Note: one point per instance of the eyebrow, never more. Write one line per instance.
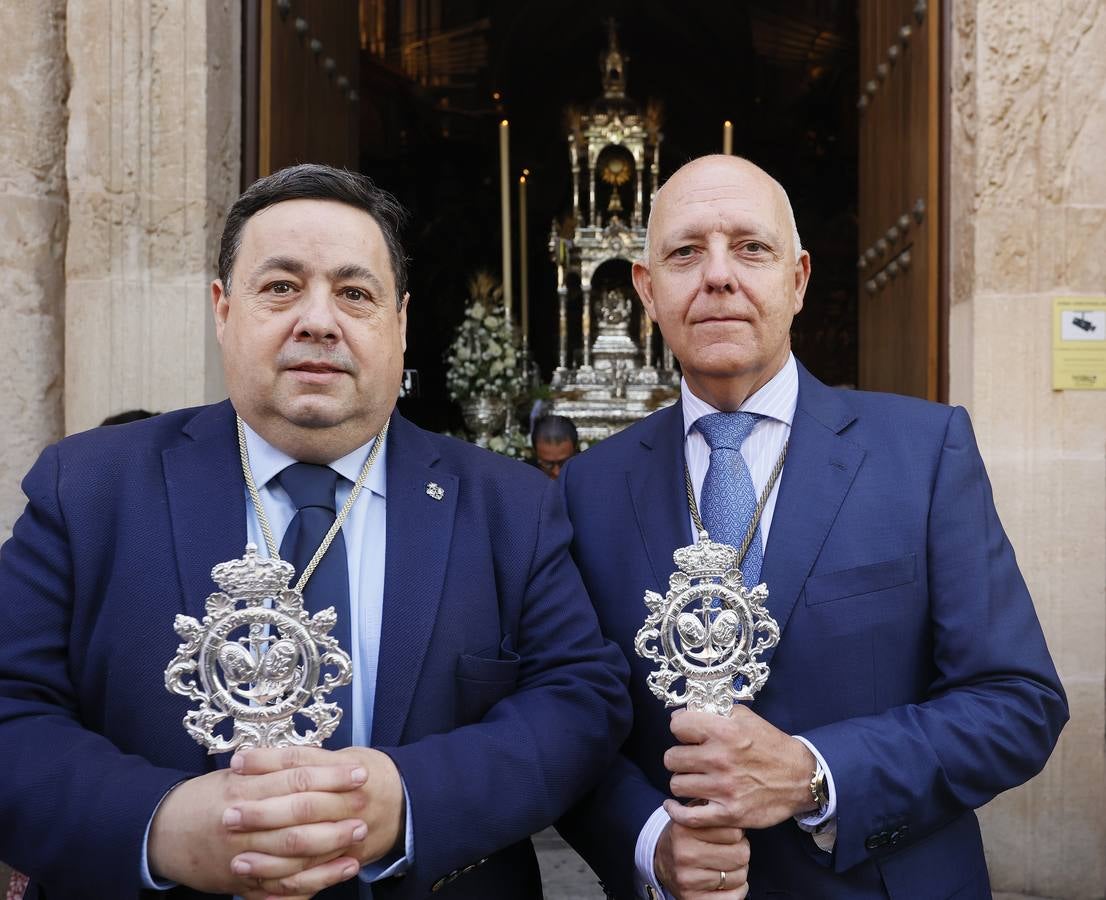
(283, 263)
(348, 272)
(733, 229)
(354, 272)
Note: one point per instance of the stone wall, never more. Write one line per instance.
(1028, 207)
(33, 88)
(152, 165)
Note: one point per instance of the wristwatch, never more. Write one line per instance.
(819, 789)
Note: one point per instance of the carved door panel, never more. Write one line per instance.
(307, 102)
(899, 104)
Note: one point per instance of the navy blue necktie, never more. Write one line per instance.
(728, 498)
(311, 488)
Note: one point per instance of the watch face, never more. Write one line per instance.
(821, 791)
(818, 788)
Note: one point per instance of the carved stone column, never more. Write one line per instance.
(153, 164)
(1027, 222)
(33, 85)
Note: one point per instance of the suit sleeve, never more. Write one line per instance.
(74, 807)
(995, 706)
(604, 826)
(537, 750)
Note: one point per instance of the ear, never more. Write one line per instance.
(643, 284)
(220, 306)
(403, 321)
(802, 279)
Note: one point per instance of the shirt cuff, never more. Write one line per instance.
(148, 880)
(822, 823)
(394, 864)
(644, 851)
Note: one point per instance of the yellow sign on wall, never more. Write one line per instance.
(1079, 343)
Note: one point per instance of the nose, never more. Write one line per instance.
(719, 274)
(317, 321)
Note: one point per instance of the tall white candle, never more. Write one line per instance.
(727, 137)
(524, 289)
(505, 213)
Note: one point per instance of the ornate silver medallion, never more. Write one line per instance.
(708, 631)
(258, 665)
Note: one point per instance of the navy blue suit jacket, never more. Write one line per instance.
(910, 653)
(496, 695)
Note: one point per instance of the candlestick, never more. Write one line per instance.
(574, 156)
(562, 326)
(522, 264)
(639, 166)
(585, 322)
(505, 213)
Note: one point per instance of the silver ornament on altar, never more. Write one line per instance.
(708, 631)
(258, 665)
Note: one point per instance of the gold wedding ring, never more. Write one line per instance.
(721, 881)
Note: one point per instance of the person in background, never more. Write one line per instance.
(555, 443)
(130, 415)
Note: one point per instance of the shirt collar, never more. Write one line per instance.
(266, 462)
(775, 400)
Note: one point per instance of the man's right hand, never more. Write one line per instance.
(689, 862)
(192, 845)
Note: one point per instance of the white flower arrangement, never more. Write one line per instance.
(483, 361)
(513, 442)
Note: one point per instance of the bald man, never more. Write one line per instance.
(911, 683)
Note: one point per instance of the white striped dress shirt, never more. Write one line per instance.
(775, 402)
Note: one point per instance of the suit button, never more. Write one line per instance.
(875, 841)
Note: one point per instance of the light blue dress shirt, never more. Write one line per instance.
(365, 534)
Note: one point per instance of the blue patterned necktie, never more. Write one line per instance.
(728, 498)
(311, 488)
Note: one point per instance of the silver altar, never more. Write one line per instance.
(623, 372)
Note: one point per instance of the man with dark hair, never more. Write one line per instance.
(128, 415)
(483, 700)
(555, 443)
(911, 682)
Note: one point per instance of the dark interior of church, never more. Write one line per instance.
(438, 77)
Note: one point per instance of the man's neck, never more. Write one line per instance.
(313, 445)
(727, 393)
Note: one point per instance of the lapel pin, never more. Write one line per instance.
(435, 490)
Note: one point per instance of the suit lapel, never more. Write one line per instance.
(206, 501)
(419, 532)
(658, 492)
(820, 468)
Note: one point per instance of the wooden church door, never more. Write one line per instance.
(304, 103)
(900, 321)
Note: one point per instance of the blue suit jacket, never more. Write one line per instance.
(910, 652)
(496, 695)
